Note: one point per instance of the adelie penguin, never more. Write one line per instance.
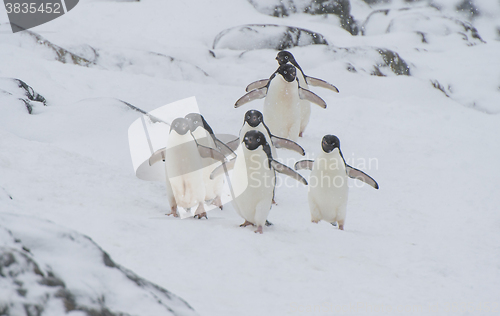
(208, 146)
(254, 120)
(253, 179)
(281, 105)
(328, 188)
(204, 136)
(283, 58)
(183, 167)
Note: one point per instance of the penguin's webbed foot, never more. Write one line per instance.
(259, 230)
(218, 202)
(201, 215)
(173, 211)
(268, 223)
(315, 222)
(341, 224)
(246, 223)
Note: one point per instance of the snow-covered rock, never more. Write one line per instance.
(134, 61)
(262, 36)
(283, 8)
(16, 91)
(428, 23)
(46, 269)
(372, 60)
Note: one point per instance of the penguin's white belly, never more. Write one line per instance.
(328, 192)
(305, 106)
(305, 114)
(170, 193)
(213, 188)
(253, 184)
(183, 165)
(281, 109)
(189, 189)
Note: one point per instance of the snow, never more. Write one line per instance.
(58, 271)
(426, 242)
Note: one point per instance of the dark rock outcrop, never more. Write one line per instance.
(262, 36)
(375, 61)
(393, 61)
(17, 90)
(283, 8)
(61, 54)
(469, 8)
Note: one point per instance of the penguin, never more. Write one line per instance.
(328, 190)
(204, 135)
(253, 178)
(209, 147)
(183, 167)
(281, 105)
(283, 58)
(254, 120)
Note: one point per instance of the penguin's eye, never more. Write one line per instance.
(248, 117)
(195, 122)
(286, 57)
(285, 72)
(258, 140)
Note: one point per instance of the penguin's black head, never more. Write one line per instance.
(254, 118)
(286, 57)
(253, 139)
(329, 143)
(180, 125)
(288, 72)
(196, 120)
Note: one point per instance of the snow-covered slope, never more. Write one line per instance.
(426, 242)
(49, 270)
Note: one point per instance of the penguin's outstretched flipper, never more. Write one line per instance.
(257, 84)
(305, 94)
(281, 168)
(207, 152)
(321, 83)
(230, 141)
(280, 142)
(360, 175)
(304, 164)
(228, 165)
(250, 96)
